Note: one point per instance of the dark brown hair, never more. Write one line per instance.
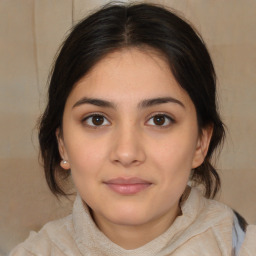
(117, 26)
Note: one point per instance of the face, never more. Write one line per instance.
(131, 138)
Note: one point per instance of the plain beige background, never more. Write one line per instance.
(30, 33)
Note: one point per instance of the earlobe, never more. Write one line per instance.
(65, 164)
(202, 146)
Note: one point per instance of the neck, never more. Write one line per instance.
(131, 237)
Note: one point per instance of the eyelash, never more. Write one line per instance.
(91, 116)
(170, 119)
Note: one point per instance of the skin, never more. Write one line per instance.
(130, 142)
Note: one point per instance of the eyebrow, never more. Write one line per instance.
(143, 104)
(95, 102)
(157, 101)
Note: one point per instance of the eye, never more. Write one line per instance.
(160, 120)
(96, 120)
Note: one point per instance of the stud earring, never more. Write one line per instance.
(65, 164)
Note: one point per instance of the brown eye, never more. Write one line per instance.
(160, 120)
(96, 120)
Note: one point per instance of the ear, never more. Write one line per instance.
(203, 143)
(62, 150)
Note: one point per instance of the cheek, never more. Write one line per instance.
(176, 151)
(86, 155)
(172, 159)
(87, 159)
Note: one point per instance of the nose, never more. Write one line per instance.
(128, 148)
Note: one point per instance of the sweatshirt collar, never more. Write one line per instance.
(90, 239)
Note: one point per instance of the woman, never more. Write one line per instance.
(132, 116)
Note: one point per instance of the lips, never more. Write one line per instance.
(128, 186)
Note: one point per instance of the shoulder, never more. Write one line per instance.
(35, 244)
(207, 213)
(229, 228)
(212, 210)
(213, 223)
(54, 238)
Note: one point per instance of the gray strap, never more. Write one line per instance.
(238, 235)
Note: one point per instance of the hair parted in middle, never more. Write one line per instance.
(118, 26)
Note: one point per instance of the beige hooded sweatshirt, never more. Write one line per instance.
(204, 228)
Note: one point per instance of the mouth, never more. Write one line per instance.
(127, 186)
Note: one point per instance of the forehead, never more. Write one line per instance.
(129, 75)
